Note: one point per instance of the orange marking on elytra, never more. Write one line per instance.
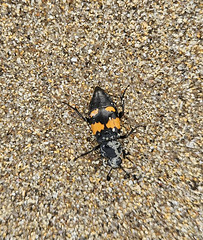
(97, 127)
(113, 123)
(94, 112)
(110, 109)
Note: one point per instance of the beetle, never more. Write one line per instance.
(104, 119)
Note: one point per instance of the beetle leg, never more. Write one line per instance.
(95, 148)
(108, 178)
(80, 114)
(125, 154)
(123, 103)
(127, 134)
(131, 131)
(127, 175)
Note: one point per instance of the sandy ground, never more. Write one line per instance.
(53, 53)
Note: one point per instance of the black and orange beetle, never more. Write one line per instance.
(105, 124)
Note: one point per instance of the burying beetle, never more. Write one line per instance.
(105, 124)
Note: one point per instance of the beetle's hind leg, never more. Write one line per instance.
(127, 175)
(108, 178)
(80, 114)
(123, 103)
(125, 156)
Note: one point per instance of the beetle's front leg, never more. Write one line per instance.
(123, 103)
(86, 119)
